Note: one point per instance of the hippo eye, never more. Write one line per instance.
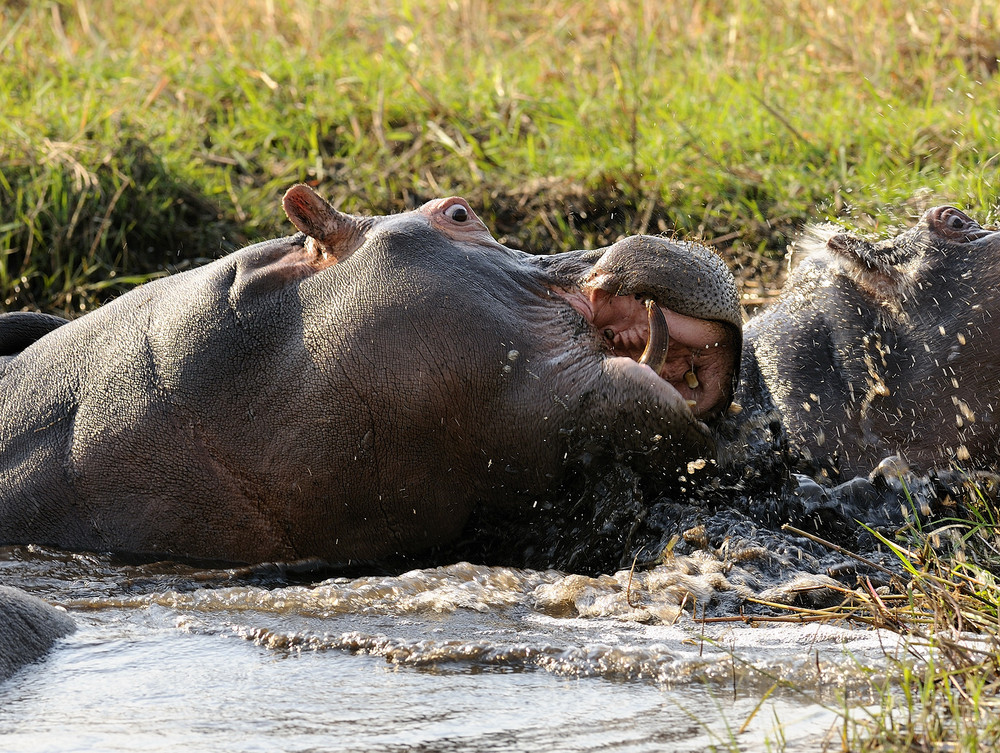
(952, 219)
(457, 212)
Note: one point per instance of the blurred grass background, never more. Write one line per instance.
(138, 138)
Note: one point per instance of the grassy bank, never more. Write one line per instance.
(136, 139)
(943, 693)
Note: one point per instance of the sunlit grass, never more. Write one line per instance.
(946, 696)
(944, 693)
(135, 137)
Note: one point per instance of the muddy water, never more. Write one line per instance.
(463, 657)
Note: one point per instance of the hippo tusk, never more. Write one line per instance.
(655, 354)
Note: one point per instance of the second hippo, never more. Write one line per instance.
(19, 329)
(884, 348)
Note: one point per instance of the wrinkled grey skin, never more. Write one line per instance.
(876, 349)
(28, 628)
(357, 390)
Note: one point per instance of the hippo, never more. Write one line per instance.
(882, 349)
(28, 628)
(19, 329)
(358, 390)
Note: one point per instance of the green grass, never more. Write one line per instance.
(943, 694)
(134, 138)
(947, 699)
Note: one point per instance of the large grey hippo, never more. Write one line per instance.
(357, 390)
(885, 348)
(28, 627)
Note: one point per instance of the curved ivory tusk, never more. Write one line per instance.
(655, 354)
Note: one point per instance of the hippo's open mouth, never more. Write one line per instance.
(694, 358)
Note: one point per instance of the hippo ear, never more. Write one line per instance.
(883, 257)
(847, 244)
(854, 249)
(336, 234)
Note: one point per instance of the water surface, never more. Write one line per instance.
(463, 657)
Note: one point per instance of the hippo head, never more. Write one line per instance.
(632, 346)
(360, 389)
(889, 270)
(880, 348)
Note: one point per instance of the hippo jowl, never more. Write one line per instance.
(357, 389)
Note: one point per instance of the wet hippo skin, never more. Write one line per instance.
(882, 348)
(28, 628)
(356, 390)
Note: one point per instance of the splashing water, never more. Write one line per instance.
(670, 653)
(462, 657)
